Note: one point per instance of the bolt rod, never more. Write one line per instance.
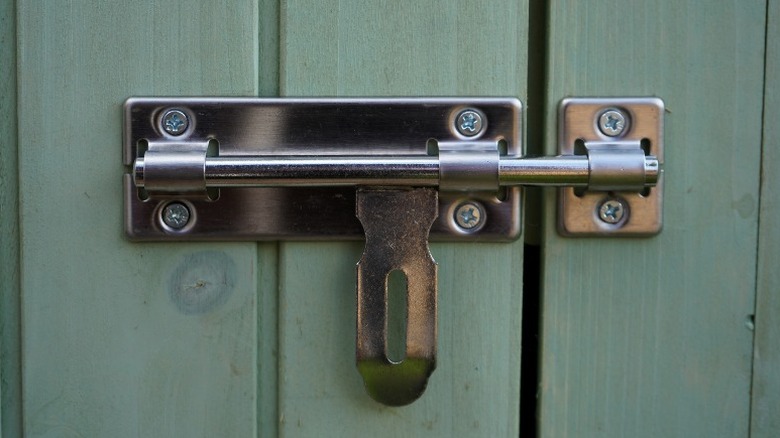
(252, 171)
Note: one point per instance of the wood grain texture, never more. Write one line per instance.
(765, 421)
(120, 338)
(10, 328)
(648, 337)
(268, 48)
(403, 48)
(267, 339)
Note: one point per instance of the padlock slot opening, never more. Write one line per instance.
(397, 288)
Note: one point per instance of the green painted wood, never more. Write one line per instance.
(648, 337)
(765, 421)
(267, 339)
(121, 338)
(10, 330)
(405, 48)
(268, 48)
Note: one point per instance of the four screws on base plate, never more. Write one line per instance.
(469, 123)
(176, 215)
(469, 216)
(175, 122)
(612, 211)
(612, 122)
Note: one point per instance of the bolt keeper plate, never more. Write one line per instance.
(611, 124)
(268, 127)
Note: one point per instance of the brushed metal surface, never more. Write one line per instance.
(250, 168)
(578, 213)
(336, 129)
(396, 222)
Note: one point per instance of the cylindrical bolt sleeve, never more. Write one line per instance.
(616, 169)
(175, 168)
(468, 166)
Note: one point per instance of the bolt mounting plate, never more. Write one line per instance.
(578, 124)
(308, 127)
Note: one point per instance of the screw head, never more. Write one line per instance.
(176, 215)
(612, 211)
(175, 122)
(470, 216)
(612, 122)
(469, 123)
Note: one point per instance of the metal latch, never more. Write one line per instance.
(396, 170)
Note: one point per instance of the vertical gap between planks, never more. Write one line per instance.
(756, 419)
(533, 217)
(268, 62)
(535, 113)
(529, 373)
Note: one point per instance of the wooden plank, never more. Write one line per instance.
(268, 48)
(648, 337)
(10, 330)
(120, 338)
(765, 421)
(405, 48)
(267, 339)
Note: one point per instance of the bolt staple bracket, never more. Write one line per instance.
(616, 134)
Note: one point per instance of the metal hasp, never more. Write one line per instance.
(396, 222)
(396, 171)
(617, 135)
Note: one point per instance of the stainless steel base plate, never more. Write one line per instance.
(311, 127)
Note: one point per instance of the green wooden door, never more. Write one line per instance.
(654, 337)
(637, 337)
